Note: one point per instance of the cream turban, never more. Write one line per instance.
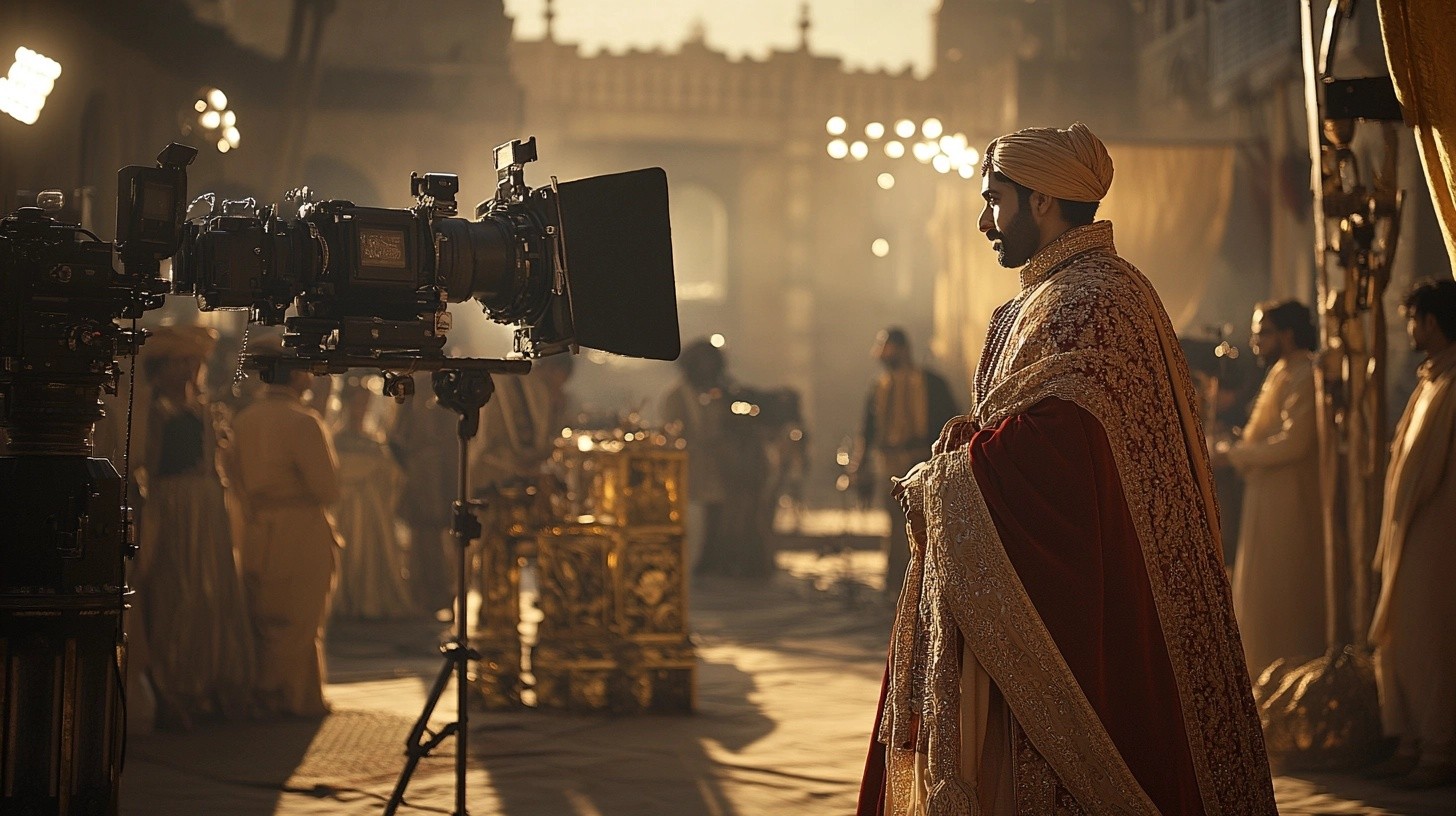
(1070, 164)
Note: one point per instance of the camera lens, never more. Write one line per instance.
(494, 260)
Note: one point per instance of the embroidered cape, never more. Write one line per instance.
(1089, 329)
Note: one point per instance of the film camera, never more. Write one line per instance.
(62, 580)
(585, 262)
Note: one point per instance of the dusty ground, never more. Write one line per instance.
(789, 672)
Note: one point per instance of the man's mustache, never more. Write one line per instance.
(994, 235)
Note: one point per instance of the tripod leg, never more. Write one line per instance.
(463, 732)
(416, 746)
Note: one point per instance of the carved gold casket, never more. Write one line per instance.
(603, 535)
(613, 592)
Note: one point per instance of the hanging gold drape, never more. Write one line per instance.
(1168, 205)
(1420, 47)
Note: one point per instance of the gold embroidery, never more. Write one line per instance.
(976, 591)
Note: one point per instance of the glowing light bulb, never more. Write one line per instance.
(904, 128)
(880, 247)
(24, 89)
(932, 128)
(894, 149)
(835, 126)
(874, 130)
(217, 99)
(838, 149)
(885, 180)
(229, 118)
(941, 163)
(210, 120)
(717, 341)
(859, 150)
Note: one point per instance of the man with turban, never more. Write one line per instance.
(1065, 640)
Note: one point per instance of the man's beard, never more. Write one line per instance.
(1017, 244)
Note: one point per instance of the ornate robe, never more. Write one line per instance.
(1065, 641)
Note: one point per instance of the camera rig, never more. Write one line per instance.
(371, 285)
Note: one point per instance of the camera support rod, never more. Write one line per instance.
(465, 391)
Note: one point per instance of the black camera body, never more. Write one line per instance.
(60, 298)
(59, 339)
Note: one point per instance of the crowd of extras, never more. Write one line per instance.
(261, 513)
(266, 512)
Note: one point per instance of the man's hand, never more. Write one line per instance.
(909, 491)
(956, 433)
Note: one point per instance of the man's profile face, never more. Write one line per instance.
(1265, 339)
(1419, 328)
(1011, 229)
(890, 353)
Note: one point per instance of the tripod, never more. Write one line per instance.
(464, 391)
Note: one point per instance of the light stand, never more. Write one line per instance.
(464, 391)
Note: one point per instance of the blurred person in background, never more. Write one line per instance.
(520, 424)
(729, 510)
(425, 445)
(372, 570)
(903, 414)
(1278, 582)
(519, 428)
(696, 409)
(1414, 627)
(191, 614)
(288, 478)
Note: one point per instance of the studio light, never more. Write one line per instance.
(24, 89)
(214, 121)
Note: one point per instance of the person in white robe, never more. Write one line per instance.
(1414, 627)
(288, 478)
(1278, 582)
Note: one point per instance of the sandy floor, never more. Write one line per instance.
(789, 672)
